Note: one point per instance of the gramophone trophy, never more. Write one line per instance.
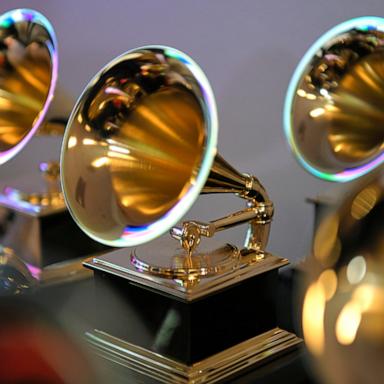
(139, 148)
(34, 221)
(333, 108)
(334, 123)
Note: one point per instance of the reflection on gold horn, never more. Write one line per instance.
(28, 74)
(334, 113)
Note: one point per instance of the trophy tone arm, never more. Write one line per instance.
(258, 214)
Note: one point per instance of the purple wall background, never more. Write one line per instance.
(247, 48)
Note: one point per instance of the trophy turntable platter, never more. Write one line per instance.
(138, 150)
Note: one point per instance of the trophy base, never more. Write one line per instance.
(40, 231)
(221, 325)
(220, 367)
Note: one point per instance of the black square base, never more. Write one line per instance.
(185, 331)
(42, 240)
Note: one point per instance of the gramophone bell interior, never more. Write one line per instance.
(139, 146)
(334, 113)
(28, 73)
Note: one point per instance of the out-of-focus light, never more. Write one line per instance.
(326, 246)
(338, 147)
(100, 162)
(328, 281)
(89, 142)
(307, 95)
(119, 149)
(72, 142)
(317, 112)
(348, 322)
(313, 318)
(301, 93)
(311, 96)
(356, 269)
(365, 295)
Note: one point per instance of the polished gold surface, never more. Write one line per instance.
(334, 112)
(223, 178)
(139, 148)
(46, 196)
(185, 268)
(28, 73)
(217, 368)
(258, 214)
(27, 76)
(160, 253)
(133, 145)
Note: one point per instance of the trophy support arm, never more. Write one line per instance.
(259, 226)
(259, 213)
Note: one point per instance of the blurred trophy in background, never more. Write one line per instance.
(139, 148)
(34, 223)
(334, 121)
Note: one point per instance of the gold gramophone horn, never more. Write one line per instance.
(139, 148)
(334, 109)
(28, 75)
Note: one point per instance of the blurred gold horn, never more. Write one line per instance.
(334, 108)
(28, 76)
(139, 148)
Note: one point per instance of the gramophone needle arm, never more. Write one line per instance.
(190, 234)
